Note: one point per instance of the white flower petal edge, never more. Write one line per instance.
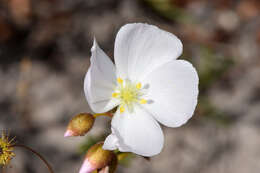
(100, 81)
(141, 48)
(136, 132)
(173, 90)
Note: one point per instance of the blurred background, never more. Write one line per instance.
(44, 55)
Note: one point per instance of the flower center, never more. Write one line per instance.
(128, 94)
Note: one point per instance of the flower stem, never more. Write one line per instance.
(107, 114)
(37, 154)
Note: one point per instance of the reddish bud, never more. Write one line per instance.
(97, 158)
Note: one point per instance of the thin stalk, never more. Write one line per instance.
(107, 114)
(37, 154)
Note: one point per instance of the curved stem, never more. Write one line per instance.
(37, 154)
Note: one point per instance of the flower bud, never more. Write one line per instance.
(111, 167)
(98, 158)
(80, 124)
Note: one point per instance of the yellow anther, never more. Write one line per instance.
(122, 109)
(120, 81)
(114, 95)
(143, 101)
(139, 85)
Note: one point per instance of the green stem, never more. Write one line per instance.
(107, 114)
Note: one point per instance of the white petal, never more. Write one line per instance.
(100, 81)
(173, 90)
(110, 142)
(136, 132)
(141, 48)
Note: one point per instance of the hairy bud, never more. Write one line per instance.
(80, 124)
(98, 158)
(111, 167)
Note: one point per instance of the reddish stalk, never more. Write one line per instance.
(37, 154)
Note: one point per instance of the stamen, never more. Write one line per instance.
(143, 101)
(115, 95)
(122, 109)
(139, 85)
(120, 81)
(128, 94)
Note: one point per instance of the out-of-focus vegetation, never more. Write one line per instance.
(170, 10)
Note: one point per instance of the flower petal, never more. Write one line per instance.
(173, 90)
(141, 48)
(110, 142)
(100, 81)
(135, 132)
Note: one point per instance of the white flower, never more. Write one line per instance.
(147, 84)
